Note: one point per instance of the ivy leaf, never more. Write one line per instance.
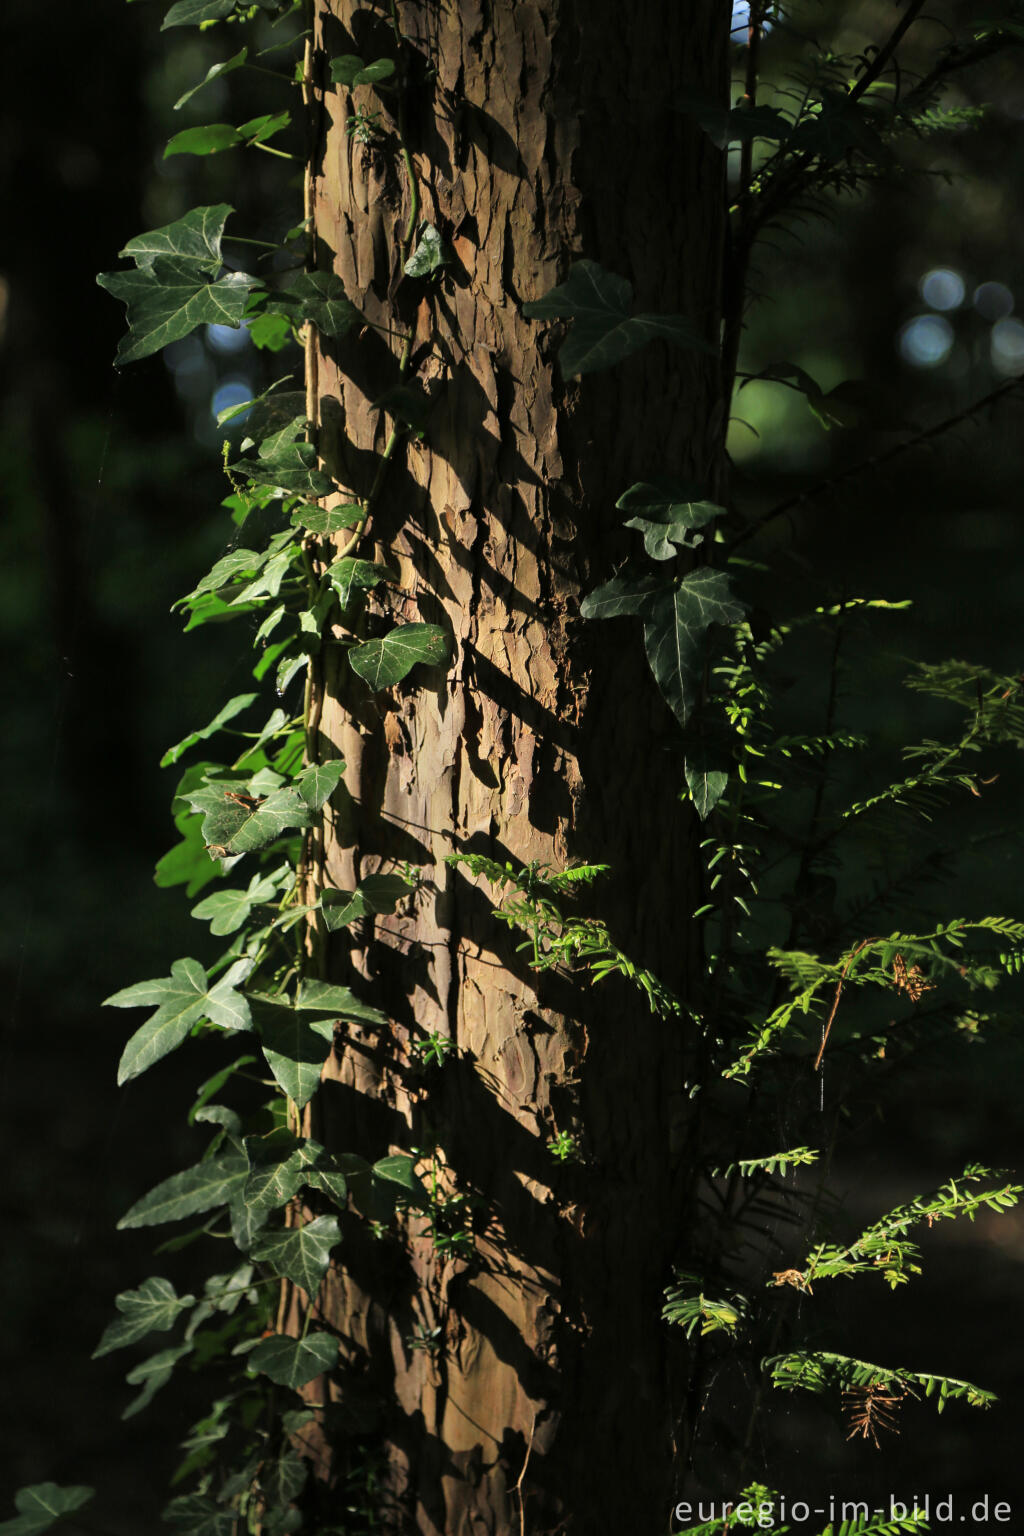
(348, 575)
(188, 862)
(153, 1308)
(182, 999)
(377, 893)
(270, 331)
(318, 782)
(432, 252)
(328, 520)
(169, 300)
(259, 129)
(321, 298)
(152, 1374)
(233, 707)
(293, 1362)
(217, 1181)
(294, 1052)
(350, 70)
(384, 662)
(398, 1169)
(209, 140)
(249, 822)
(268, 413)
(236, 563)
(283, 1481)
(193, 1514)
(668, 513)
(226, 911)
(278, 1167)
(214, 72)
(193, 13)
(604, 332)
(706, 779)
(291, 468)
(41, 1505)
(301, 1254)
(194, 238)
(630, 592)
(336, 1002)
(675, 626)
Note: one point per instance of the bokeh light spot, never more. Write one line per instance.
(926, 341)
(226, 339)
(1008, 346)
(231, 393)
(942, 288)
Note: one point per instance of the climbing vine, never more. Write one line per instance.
(780, 995)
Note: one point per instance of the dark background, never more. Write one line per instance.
(110, 489)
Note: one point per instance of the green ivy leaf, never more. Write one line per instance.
(350, 70)
(209, 140)
(193, 13)
(41, 1505)
(249, 823)
(188, 862)
(259, 129)
(194, 238)
(384, 662)
(294, 1052)
(432, 252)
(270, 331)
(217, 1181)
(226, 911)
(291, 468)
(193, 1514)
(151, 1375)
(348, 575)
(214, 72)
(668, 513)
(706, 784)
(283, 1481)
(153, 1308)
(324, 998)
(317, 783)
(604, 332)
(675, 626)
(278, 1168)
(398, 1169)
(301, 1254)
(183, 999)
(628, 593)
(169, 300)
(376, 893)
(293, 1362)
(232, 708)
(328, 520)
(321, 298)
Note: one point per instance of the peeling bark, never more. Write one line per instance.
(541, 131)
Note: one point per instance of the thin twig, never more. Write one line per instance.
(518, 1487)
(835, 1001)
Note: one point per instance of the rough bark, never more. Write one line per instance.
(541, 131)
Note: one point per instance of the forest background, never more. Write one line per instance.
(109, 485)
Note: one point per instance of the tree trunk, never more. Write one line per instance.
(541, 132)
